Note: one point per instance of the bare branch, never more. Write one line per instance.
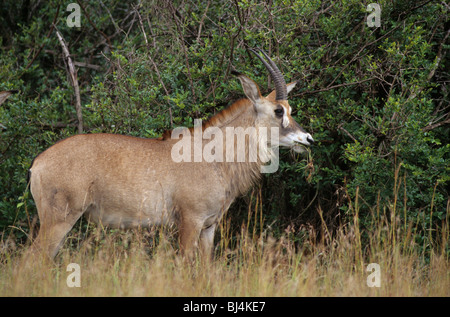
(73, 75)
(438, 56)
(346, 132)
(202, 21)
(94, 26)
(87, 65)
(5, 94)
(153, 62)
(175, 15)
(436, 125)
(57, 125)
(336, 86)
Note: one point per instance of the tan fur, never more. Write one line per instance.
(125, 182)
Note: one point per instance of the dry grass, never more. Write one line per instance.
(132, 263)
(147, 263)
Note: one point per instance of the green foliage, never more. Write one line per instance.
(374, 99)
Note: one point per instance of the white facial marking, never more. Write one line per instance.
(285, 121)
(294, 138)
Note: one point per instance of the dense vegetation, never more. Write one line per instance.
(375, 99)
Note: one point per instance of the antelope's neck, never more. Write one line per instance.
(242, 151)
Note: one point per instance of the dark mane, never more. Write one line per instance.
(220, 118)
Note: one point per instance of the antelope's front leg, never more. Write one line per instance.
(189, 228)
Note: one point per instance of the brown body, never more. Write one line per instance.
(125, 182)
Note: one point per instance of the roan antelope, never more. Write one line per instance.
(127, 182)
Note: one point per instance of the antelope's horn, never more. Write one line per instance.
(275, 73)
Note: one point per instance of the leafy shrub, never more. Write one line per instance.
(375, 99)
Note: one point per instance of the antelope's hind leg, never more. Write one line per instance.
(57, 216)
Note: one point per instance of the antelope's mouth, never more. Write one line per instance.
(297, 142)
(301, 147)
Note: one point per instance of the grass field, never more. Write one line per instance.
(146, 263)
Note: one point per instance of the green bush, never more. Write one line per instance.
(375, 99)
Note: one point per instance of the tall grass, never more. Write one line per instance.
(247, 263)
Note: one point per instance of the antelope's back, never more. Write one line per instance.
(118, 179)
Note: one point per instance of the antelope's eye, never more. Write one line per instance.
(279, 112)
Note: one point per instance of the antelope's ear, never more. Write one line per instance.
(251, 89)
(289, 87)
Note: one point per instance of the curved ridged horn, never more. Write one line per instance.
(275, 73)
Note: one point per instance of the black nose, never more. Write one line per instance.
(310, 140)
